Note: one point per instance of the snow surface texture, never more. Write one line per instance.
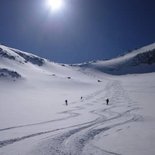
(36, 121)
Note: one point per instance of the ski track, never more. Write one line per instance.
(74, 141)
(77, 137)
(70, 113)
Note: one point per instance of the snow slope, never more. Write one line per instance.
(138, 61)
(35, 120)
(39, 88)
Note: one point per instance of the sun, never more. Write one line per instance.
(55, 5)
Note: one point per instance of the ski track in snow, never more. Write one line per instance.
(76, 139)
(70, 113)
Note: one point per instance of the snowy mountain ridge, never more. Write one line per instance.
(138, 61)
(20, 56)
(21, 63)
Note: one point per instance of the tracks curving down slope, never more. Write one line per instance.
(79, 139)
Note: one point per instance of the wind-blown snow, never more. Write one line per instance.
(35, 120)
(138, 61)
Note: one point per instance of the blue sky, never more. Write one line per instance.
(83, 30)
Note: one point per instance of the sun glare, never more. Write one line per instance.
(55, 5)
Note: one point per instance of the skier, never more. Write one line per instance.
(107, 101)
(66, 102)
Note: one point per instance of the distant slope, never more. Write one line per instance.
(20, 56)
(22, 63)
(138, 61)
(16, 64)
(30, 57)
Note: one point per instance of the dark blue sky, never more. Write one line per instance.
(84, 30)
